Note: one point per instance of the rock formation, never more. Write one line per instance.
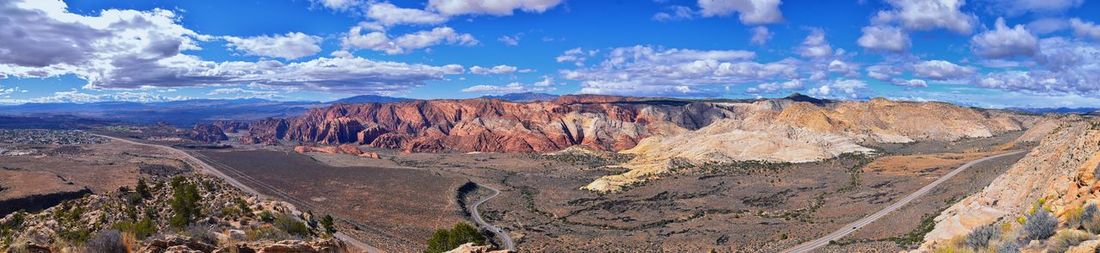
(208, 133)
(1061, 170)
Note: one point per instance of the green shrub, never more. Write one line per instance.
(266, 233)
(462, 233)
(185, 203)
(291, 226)
(980, 237)
(143, 189)
(329, 224)
(1090, 219)
(141, 229)
(1066, 239)
(1040, 225)
(1009, 246)
(243, 206)
(266, 216)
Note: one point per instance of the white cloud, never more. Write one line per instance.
(380, 41)
(510, 40)
(388, 15)
(760, 35)
(883, 72)
(1085, 29)
(675, 13)
(1018, 7)
(514, 87)
(841, 88)
(776, 86)
(290, 46)
(942, 70)
(74, 96)
(752, 12)
(815, 45)
(498, 69)
(577, 56)
(490, 7)
(1047, 25)
(238, 93)
(884, 38)
(341, 5)
(910, 83)
(928, 14)
(1004, 42)
(645, 70)
(1065, 67)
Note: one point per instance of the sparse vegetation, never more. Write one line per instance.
(1066, 239)
(462, 233)
(106, 241)
(1090, 219)
(1040, 225)
(185, 202)
(291, 226)
(981, 237)
(142, 189)
(328, 224)
(916, 236)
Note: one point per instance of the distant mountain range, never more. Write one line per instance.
(524, 97)
(370, 99)
(1082, 110)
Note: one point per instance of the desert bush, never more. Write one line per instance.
(291, 226)
(140, 229)
(266, 216)
(106, 241)
(142, 189)
(266, 232)
(1066, 239)
(1040, 225)
(329, 224)
(462, 233)
(1073, 216)
(1090, 219)
(201, 233)
(1009, 246)
(243, 206)
(185, 202)
(980, 237)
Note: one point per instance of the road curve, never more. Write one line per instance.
(856, 225)
(500, 234)
(206, 168)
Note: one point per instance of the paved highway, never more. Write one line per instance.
(852, 227)
(501, 234)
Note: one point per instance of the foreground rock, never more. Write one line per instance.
(471, 248)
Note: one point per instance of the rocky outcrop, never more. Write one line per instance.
(1061, 170)
(471, 248)
(339, 149)
(266, 131)
(231, 126)
(802, 129)
(208, 133)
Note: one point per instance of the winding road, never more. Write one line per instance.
(206, 168)
(852, 227)
(500, 234)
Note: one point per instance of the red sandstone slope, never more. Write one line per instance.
(598, 122)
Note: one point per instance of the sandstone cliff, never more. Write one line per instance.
(1061, 170)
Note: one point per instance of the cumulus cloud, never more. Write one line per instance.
(752, 12)
(341, 5)
(942, 70)
(760, 35)
(883, 72)
(498, 69)
(884, 38)
(815, 45)
(646, 70)
(290, 46)
(928, 14)
(910, 83)
(577, 56)
(1018, 7)
(841, 88)
(510, 40)
(490, 7)
(1085, 29)
(388, 15)
(380, 41)
(769, 87)
(1004, 42)
(1047, 25)
(73, 96)
(1065, 67)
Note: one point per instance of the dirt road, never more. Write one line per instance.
(500, 233)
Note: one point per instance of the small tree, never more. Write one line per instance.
(185, 203)
(462, 233)
(142, 189)
(329, 224)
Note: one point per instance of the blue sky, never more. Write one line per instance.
(1030, 53)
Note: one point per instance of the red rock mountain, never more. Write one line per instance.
(597, 122)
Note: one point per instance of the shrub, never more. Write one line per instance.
(329, 224)
(106, 241)
(266, 216)
(291, 226)
(1066, 239)
(1073, 217)
(1009, 246)
(140, 229)
(1040, 225)
(462, 233)
(266, 233)
(142, 188)
(243, 206)
(1090, 219)
(980, 237)
(185, 203)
